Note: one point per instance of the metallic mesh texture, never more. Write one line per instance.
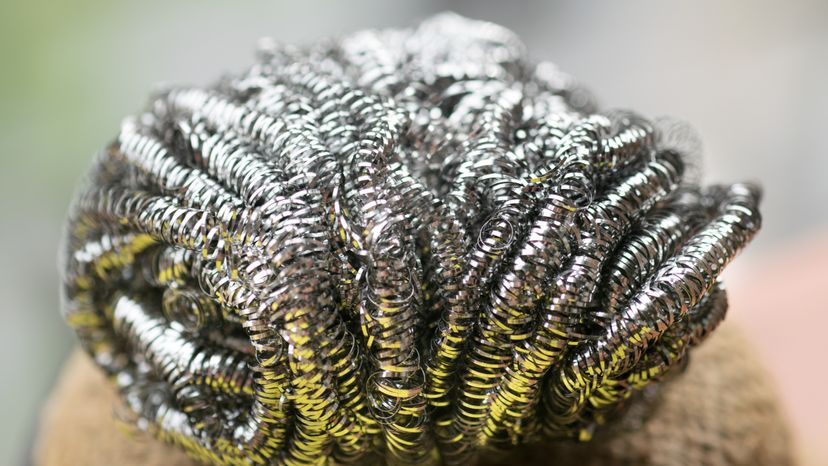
(402, 246)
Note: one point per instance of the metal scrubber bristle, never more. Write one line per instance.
(404, 246)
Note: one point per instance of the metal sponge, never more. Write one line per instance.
(402, 246)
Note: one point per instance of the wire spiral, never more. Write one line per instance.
(405, 246)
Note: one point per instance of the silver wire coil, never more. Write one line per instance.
(403, 246)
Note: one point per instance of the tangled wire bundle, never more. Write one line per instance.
(405, 246)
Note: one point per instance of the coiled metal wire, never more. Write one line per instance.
(404, 246)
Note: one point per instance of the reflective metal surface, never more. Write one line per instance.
(403, 246)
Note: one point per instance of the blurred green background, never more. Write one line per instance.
(750, 76)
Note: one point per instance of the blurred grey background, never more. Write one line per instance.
(750, 76)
